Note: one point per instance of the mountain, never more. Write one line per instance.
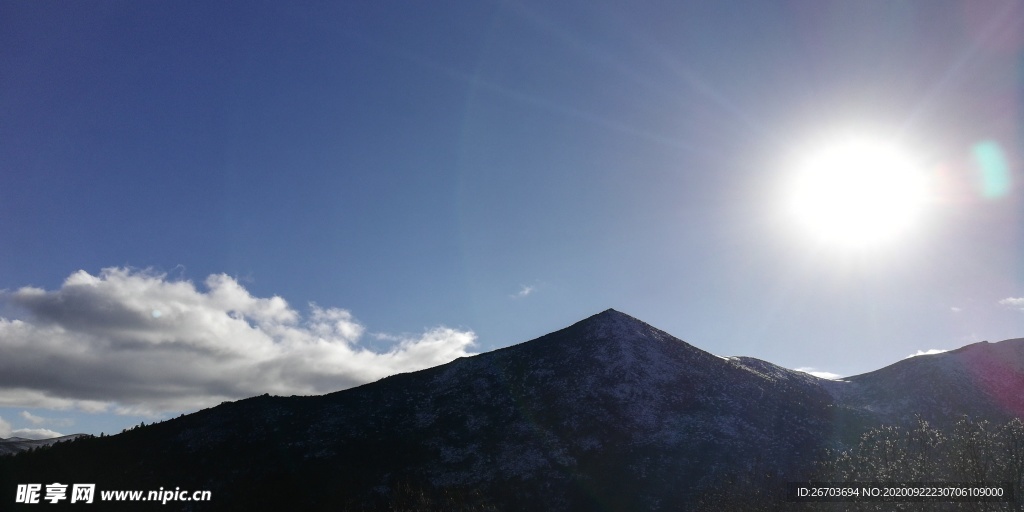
(982, 380)
(14, 445)
(607, 414)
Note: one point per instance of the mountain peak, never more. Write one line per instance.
(608, 313)
(615, 324)
(610, 316)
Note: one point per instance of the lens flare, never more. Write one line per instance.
(994, 177)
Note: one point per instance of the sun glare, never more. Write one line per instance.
(858, 193)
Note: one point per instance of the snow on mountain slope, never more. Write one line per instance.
(13, 445)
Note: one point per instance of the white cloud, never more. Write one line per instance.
(818, 374)
(1013, 302)
(955, 309)
(32, 418)
(39, 420)
(21, 397)
(5, 429)
(927, 352)
(524, 291)
(97, 344)
(35, 433)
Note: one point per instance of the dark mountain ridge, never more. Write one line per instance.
(982, 380)
(607, 414)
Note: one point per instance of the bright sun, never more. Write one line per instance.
(858, 192)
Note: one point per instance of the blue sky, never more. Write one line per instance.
(415, 181)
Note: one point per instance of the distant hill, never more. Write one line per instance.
(607, 414)
(982, 380)
(14, 445)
